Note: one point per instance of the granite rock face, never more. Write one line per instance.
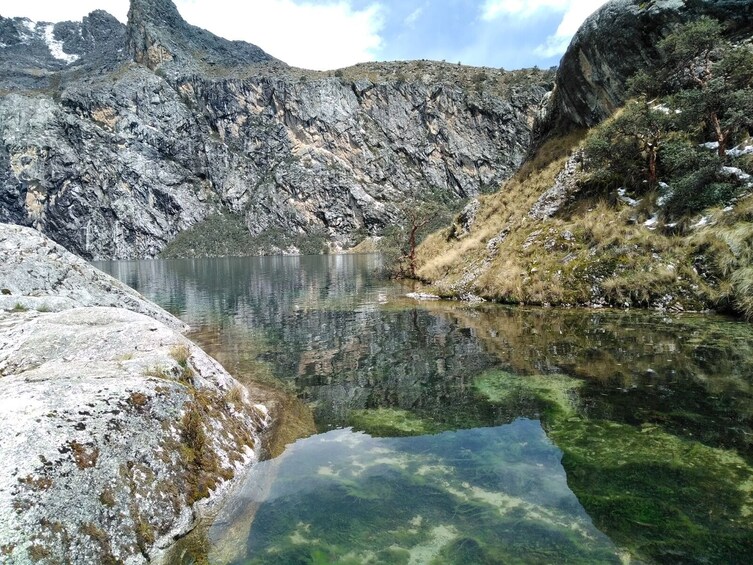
(142, 136)
(117, 429)
(39, 274)
(621, 38)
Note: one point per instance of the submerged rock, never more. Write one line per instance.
(117, 429)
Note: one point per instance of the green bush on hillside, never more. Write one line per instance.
(703, 92)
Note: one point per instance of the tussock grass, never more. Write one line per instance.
(725, 247)
(596, 250)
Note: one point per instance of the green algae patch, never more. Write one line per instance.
(660, 496)
(391, 422)
(550, 395)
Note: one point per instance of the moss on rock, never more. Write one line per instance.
(391, 422)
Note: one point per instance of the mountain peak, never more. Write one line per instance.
(157, 11)
(158, 35)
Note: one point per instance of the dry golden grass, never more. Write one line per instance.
(442, 257)
(593, 251)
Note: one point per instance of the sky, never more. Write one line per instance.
(329, 34)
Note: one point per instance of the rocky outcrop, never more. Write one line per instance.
(114, 161)
(616, 41)
(159, 37)
(42, 55)
(117, 429)
(39, 274)
(564, 189)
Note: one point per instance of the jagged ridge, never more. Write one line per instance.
(115, 160)
(157, 34)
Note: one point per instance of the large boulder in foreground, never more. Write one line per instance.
(116, 428)
(621, 38)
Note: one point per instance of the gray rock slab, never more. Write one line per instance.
(94, 407)
(38, 274)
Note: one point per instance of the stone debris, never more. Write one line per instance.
(422, 296)
(564, 188)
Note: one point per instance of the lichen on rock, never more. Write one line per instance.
(118, 429)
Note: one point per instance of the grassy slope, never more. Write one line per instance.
(594, 251)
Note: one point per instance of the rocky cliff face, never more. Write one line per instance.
(619, 39)
(40, 55)
(115, 139)
(549, 237)
(117, 429)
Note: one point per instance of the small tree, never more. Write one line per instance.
(703, 87)
(694, 176)
(714, 79)
(416, 219)
(625, 151)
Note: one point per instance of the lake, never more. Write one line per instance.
(443, 432)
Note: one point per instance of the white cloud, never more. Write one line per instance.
(412, 18)
(314, 35)
(574, 13)
(493, 9)
(305, 33)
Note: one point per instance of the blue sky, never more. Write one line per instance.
(328, 34)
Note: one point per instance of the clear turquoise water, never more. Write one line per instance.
(450, 433)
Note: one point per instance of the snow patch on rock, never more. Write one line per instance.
(736, 173)
(652, 222)
(56, 47)
(622, 195)
(28, 33)
(740, 150)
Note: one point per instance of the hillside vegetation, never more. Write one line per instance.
(651, 208)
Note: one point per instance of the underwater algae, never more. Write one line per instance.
(454, 497)
(660, 496)
(392, 422)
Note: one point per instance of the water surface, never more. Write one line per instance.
(449, 433)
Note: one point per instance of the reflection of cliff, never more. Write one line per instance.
(693, 374)
(405, 359)
(324, 331)
(346, 340)
(260, 292)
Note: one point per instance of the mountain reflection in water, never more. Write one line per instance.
(449, 433)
